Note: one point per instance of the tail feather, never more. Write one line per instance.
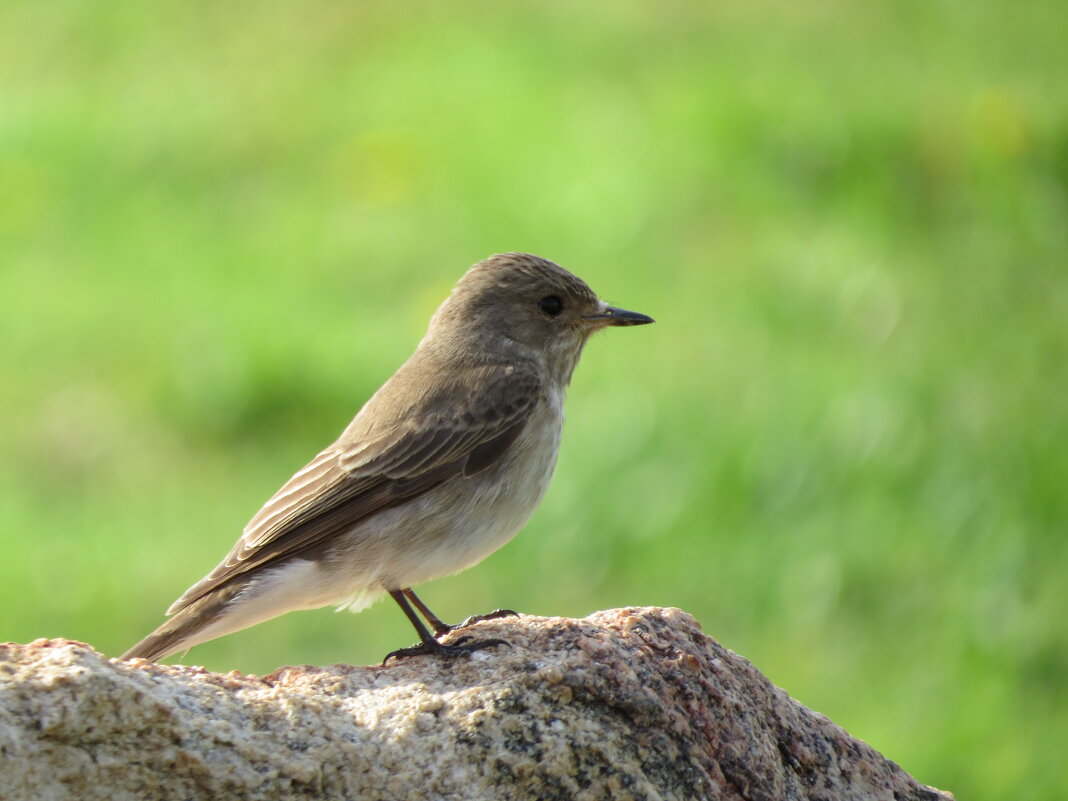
(180, 631)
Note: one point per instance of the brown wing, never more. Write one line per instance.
(457, 430)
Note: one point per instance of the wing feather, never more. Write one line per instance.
(459, 431)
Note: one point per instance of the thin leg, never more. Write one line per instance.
(402, 602)
(427, 644)
(441, 628)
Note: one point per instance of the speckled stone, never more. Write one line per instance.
(627, 704)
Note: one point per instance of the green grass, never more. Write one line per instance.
(843, 447)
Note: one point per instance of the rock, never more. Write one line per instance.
(626, 704)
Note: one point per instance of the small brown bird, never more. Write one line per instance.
(441, 467)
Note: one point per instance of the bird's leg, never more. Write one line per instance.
(441, 628)
(427, 644)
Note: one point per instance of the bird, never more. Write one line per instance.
(443, 465)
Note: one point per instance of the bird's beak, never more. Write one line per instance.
(610, 315)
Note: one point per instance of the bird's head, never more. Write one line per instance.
(517, 303)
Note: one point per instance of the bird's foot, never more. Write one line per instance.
(494, 615)
(441, 629)
(428, 647)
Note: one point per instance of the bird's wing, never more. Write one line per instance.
(459, 430)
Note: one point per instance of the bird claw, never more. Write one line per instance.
(494, 615)
(441, 629)
(434, 647)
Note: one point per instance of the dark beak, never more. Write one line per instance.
(613, 316)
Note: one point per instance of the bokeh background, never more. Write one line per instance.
(843, 447)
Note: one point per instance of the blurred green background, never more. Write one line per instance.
(843, 447)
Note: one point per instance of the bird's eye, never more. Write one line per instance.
(551, 305)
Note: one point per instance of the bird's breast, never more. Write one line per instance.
(460, 522)
(526, 469)
(503, 497)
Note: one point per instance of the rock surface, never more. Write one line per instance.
(626, 704)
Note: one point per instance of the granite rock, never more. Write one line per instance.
(626, 704)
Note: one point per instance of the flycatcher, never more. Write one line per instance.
(441, 467)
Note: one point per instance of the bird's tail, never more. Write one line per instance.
(187, 627)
